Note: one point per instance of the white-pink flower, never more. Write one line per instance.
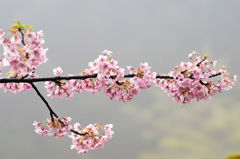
(195, 53)
(106, 52)
(130, 68)
(235, 78)
(214, 63)
(57, 71)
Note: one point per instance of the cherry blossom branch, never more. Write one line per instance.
(57, 78)
(23, 42)
(23, 52)
(45, 101)
(82, 77)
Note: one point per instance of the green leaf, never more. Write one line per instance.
(21, 27)
(204, 58)
(17, 21)
(28, 26)
(15, 26)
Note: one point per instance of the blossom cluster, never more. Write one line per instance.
(126, 90)
(110, 77)
(192, 80)
(22, 54)
(15, 87)
(22, 57)
(93, 137)
(57, 127)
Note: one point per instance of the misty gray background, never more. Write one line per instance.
(151, 126)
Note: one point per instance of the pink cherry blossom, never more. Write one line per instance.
(195, 53)
(106, 52)
(15, 87)
(58, 129)
(190, 56)
(130, 68)
(214, 63)
(234, 78)
(2, 33)
(57, 71)
(95, 136)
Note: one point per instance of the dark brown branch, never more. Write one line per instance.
(44, 100)
(22, 36)
(202, 83)
(164, 77)
(206, 84)
(215, 75)
(119, 83)
(83, 77)
(78, 132)
(29, 80)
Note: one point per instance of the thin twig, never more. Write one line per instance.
(215, 75)
(44, 100)
(78, 132)
(22, 36)
(51, 111)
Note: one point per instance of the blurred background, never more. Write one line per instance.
(151, 126)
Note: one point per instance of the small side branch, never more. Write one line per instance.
(44, 100)
(164, 77)
(22, 37)
(218, 74)
(78, 132)
(50, 109)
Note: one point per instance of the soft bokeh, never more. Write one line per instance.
(151, 126)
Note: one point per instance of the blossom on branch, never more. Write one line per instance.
(192, 80)
(94, 138)
(57, 127)
(23, 58)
